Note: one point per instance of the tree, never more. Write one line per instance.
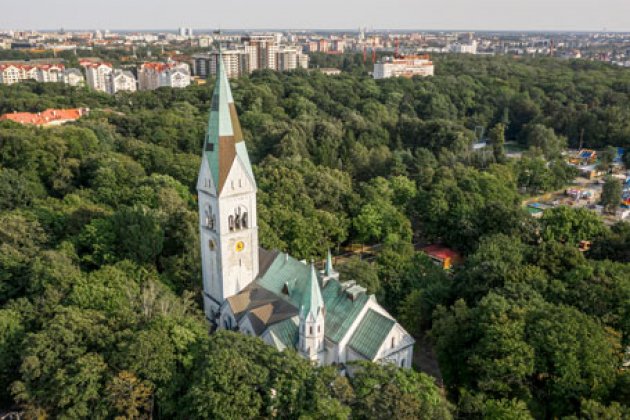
(506, 410)
(15, 190)
(385, 391)
(363, 272)
(611, 194)
(12, 332)
(61, 374)
(139, 234)
(570, 226)
(497, 140)
(614, 244)
(544, 138)
(576, 358)
(130, 397)
(606, 158)
(20, 240)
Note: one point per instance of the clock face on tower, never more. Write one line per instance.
(240, 245)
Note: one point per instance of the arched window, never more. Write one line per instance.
(402, 363)
(393, 342)
(310, 330)
(231, 222)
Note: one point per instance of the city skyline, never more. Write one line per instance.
(535, 15)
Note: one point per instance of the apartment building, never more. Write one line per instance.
(404, 66)
(172, 74)
(98, 75)
(122, 80)
(256, 52)
(17, 72)
(73, 77)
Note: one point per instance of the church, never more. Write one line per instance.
(269, 294)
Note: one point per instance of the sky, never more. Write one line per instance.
(559, 15)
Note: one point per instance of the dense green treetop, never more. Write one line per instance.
(99, 255)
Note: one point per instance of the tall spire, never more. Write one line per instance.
(224, 138)
(312, 301)
(329, 271)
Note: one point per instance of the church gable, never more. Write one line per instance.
(238, 180)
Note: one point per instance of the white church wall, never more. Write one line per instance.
(391, 350)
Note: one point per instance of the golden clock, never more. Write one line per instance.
(240, 245)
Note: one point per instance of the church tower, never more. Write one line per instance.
(312, 320)
(226, 191)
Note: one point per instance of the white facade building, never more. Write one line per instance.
(122, 81)
(269, 294)
(98, 76)
(73, 77)
(154, 75)
(407, 66)
(460, 48)
(257, 52)
(14, 73)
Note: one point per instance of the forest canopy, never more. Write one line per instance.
(99, 254)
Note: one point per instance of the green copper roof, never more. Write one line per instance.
(288, 274)
(370, 334)
(329, 265)
(285, 270)
(341, 311)
(311, 302)
(224, 139)
(286, 333)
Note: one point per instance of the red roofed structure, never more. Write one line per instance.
(47, 118)
(442, 255)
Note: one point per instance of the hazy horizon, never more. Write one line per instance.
(483, 15)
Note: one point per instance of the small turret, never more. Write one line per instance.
(328, 273)
(312, 319)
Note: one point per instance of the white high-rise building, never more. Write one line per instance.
(246, 59)
(98, 75)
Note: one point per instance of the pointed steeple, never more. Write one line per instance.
(224, 138)
(328, 270)
(312, 300)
